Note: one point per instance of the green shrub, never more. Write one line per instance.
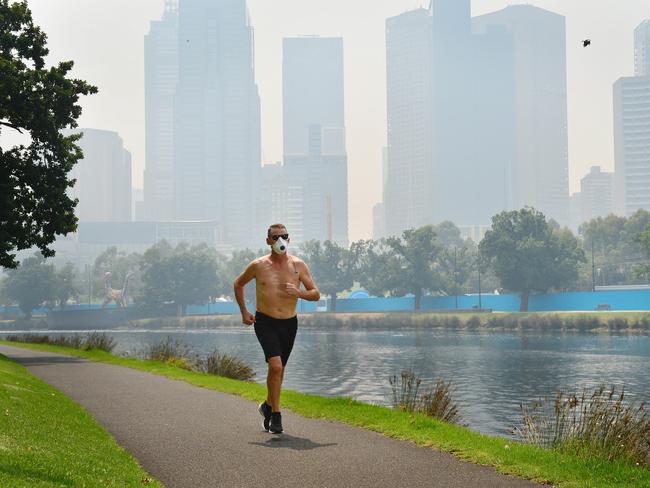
(229, 366)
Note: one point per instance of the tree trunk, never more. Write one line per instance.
(523, 305)
(333, 302)
(418, 299)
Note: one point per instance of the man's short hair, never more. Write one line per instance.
(275, 226)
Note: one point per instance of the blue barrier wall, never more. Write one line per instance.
(571, 301)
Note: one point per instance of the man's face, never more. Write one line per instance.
(276, 233)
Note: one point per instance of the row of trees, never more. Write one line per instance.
(523, 252)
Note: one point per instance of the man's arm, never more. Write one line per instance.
(310, 293)
(238, 286)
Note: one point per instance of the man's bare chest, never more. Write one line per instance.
(272, 276)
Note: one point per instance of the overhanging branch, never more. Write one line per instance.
(7, 124)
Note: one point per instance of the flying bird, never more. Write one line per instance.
(586, 42)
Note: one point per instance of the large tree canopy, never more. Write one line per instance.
(37, 102)
(32, 284)
(529, 255)
(331, 265)
(182, 275)
(417, 252)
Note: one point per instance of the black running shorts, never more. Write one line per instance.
(276, 336)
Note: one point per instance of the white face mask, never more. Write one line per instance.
(280, 246)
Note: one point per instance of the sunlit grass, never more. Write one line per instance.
(507, 456)
(47, 440)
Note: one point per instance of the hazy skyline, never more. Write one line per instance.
(105, 39)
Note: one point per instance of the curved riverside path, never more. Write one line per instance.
(191, 437)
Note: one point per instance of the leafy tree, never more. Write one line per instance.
(417, 252)
(375, 266)
(38, 102)
(32, 284)
(643, 239)
(66, 286)
(230, 269)
(617, 251)
(457, 260)
(331, 265)
(528, 255)
(182, 275)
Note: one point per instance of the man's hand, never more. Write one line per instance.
(247, 318)
(293, 290)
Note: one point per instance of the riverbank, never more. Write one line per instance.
(48, 440)
(582, 322)
(506, 456)
(536, 322)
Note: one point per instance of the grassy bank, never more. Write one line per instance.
(505, 455)
(542, 322)
(47, 440)
(589, 322)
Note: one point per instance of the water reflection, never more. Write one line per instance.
(491, 373)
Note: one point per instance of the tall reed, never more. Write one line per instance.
(601, 423)
(435, 402)
(94, 340)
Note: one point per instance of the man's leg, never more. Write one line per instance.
(274, 382)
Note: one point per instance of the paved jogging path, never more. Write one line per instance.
(191, 437)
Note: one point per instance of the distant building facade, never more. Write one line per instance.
(540, 169)
(477, 115)
(315, 156)
(217, 119)
(642, 49)
(103, 176)
(282, 202)
(410, 188)
(632, 144)
(596, 194)
(160, 80)
(379, 209)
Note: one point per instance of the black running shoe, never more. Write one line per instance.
(275, 427)
(265, 411)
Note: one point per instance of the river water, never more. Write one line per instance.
(491, 373)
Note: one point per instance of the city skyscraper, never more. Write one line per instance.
(540, 169)
(379, 209)
(632, 144)
(103, 176)
(217, 119)
(409, 191)
(160, 78)
(631, 134)
(642, 49)
(596, 194)
(315, 156)
(451, 139)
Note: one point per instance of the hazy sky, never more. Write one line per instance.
(105, 39)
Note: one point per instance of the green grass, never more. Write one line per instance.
(47, 440)
(506, 456)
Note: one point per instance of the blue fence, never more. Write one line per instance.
(571, 301)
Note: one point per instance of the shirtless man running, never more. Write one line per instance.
(277, 284)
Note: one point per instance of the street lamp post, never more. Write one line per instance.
(480, 305)
(593, 267)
